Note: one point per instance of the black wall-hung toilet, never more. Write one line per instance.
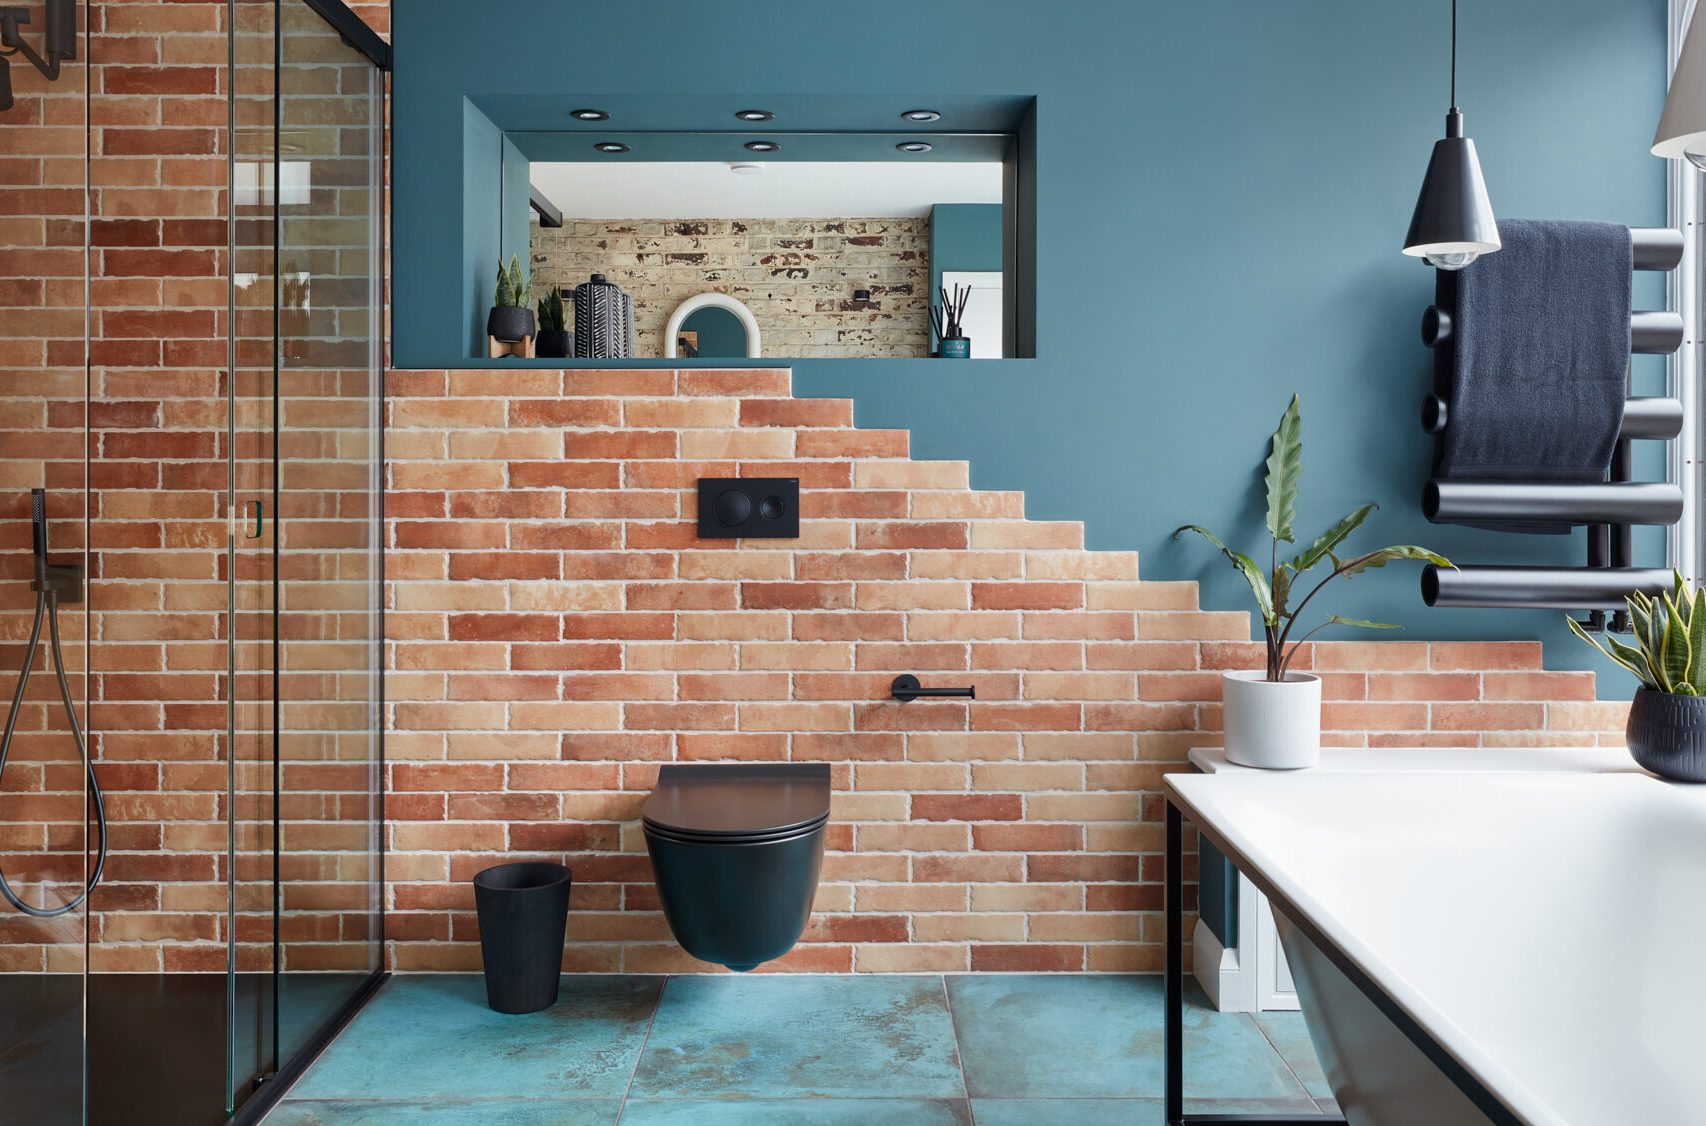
(736, 851)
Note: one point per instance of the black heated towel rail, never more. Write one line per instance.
(1610, 509)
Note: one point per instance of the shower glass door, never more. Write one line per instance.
(251, 1042)
(307, 174)
(330, 207)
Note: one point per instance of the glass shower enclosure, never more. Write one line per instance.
(190, 576)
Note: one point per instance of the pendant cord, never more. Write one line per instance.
(1454, 54)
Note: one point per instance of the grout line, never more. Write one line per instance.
(959, 1053)
(1280, 1052)
(622, 1103)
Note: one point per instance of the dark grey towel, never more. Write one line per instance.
(1541, 355)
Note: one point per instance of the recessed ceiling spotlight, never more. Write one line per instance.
(922, 115)
(763, 146)
(611, 146)
(915, 146)
(746, 168)
(589, 115)
(755, 115)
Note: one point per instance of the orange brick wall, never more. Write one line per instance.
(558, 630)
(136, 130)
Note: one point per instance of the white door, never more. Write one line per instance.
(983, 322)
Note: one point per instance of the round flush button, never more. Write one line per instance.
(771, 508)
(733, 507)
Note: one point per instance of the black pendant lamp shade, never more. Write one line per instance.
(1453, 224)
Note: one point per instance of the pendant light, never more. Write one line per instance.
(1453, 224)
(1682, 126)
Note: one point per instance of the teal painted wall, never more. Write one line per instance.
(1217, 893)
(480, 212)
(963, 236)
(721, 335)
(1221, 190)
(517, 232)
(492, 212)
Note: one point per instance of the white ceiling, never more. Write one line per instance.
(784, 190)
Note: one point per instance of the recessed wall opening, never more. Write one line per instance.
(816, 230)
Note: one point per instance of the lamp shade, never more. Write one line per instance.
(1682, 126)
(1453, 223)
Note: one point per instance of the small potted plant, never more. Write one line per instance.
(1273, 715)
(511, 318)
(1667, 720)
(553, 327)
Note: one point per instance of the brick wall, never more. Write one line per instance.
(43, 259)
(796, 275)
(558, 630)
(147, 404)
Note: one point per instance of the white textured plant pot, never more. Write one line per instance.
(1273, 726)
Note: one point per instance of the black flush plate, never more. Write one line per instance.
(749, 508)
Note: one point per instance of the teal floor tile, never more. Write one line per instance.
(1100, 1035)
(796, 1112)
(1290, 1036)
(1069, 1112)
(486, 1112)
(793, 1037)
(432, 1036)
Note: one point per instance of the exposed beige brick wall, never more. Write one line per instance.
(796, 275)
(558, 630)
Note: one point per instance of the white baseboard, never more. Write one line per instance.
(1217, 971)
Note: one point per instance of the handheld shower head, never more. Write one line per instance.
(38, 530)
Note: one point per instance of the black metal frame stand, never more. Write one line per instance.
(1175, 1002)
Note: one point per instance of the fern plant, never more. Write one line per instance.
(1669, 654)
(551, 315)
(1275, 584)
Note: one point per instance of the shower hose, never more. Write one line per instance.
(47, 587)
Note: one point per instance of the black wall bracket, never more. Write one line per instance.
(906, 689)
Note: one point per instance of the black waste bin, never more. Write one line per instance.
(524, 915)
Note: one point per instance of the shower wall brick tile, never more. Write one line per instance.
(144, 210)
(558, 631)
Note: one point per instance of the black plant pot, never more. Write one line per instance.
(1667, 734)
(524, 915)
(554, 343)
(509, 323)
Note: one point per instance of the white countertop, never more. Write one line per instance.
(1472, 760)
(1543, 924)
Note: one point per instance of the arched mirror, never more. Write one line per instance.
(711, 326)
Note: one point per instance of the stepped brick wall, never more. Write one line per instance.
(558, 630)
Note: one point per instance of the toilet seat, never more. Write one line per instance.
(737, 803)
(736, 851)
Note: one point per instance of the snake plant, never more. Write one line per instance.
(1275, 584)
(511, 291)
(1669, 654)
(552, 318)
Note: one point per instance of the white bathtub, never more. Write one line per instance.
(1535, 939)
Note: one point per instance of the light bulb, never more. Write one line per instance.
(1698, 159)
(1451, 259)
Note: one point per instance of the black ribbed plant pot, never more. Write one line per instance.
(1667, 734)
(524, 915)
(554, 343)
(510, 323)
